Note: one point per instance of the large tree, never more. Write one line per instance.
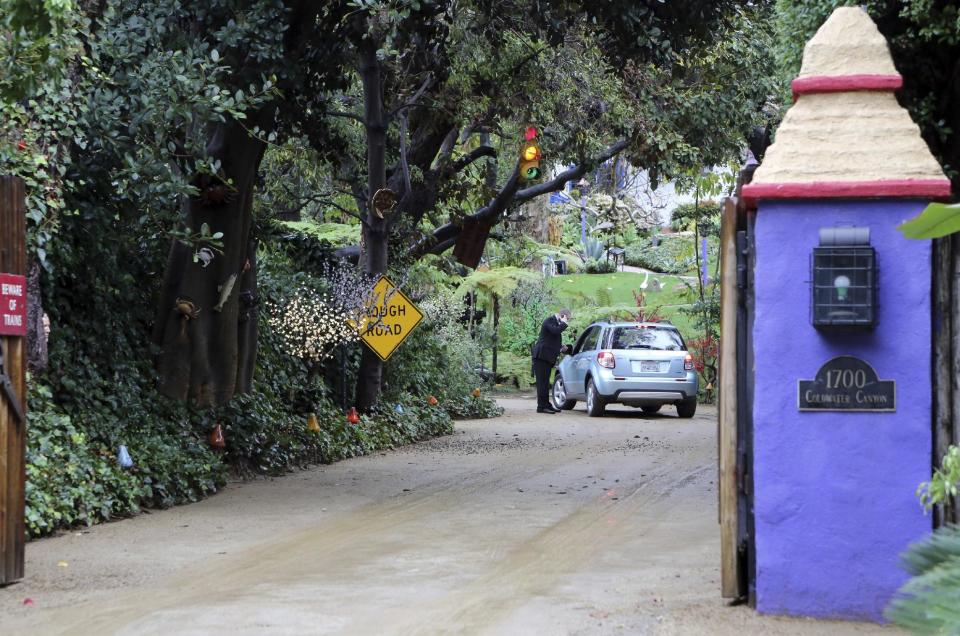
(442, 91)
(424, 97)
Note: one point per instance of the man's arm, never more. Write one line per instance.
(554, 326)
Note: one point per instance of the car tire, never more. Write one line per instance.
(595, 402)
(687, 408)
(650, 408)
(558, 396)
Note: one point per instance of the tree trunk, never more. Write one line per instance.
(496, 333)
(36, 329)
(375, 235)
(206, 333)
(538, 219)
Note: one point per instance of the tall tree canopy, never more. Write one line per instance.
(169, 107)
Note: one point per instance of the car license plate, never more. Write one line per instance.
(647, 366)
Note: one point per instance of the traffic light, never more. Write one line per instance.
(530, 156)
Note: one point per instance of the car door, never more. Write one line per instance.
(583, 354)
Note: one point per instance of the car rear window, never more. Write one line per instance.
(660, 338)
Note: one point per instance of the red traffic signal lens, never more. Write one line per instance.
(530, 134)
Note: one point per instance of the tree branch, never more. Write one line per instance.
(466, 160)
(413, 101)
(337, 113)
(562, 179)
(403, 153)
(445, 236)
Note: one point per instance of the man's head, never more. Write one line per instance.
(564, 313)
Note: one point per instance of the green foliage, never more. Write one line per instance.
(937, 220)
(672, 254)
(593, 249)
(704, 340)
(600, 266)
(929, 603)
(337, 234)
(31, 38)
(515, 369)
(73, 476)
(496, 282)
(944, 483)
(705, 216)
(520, 323)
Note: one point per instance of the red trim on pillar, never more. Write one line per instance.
(845, 83)
(893, 188)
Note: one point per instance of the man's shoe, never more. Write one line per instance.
(547, 409)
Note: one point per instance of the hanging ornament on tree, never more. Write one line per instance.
(312, 424)
(352, 416)
(216, 439)
(123, 457)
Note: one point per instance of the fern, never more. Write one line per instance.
(498, 282)
(929, 603)
(604, 297)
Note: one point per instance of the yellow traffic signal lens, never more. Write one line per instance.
(531, 152)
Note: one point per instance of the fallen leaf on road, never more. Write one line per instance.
(62, 564)
(28, 601)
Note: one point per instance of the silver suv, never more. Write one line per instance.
(639, 364)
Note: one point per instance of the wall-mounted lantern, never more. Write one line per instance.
(844, 279)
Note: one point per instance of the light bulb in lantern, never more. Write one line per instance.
(841, 284)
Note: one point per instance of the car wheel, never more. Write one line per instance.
(687, 408)
(558, 396)
(650, 408)
(595, 402)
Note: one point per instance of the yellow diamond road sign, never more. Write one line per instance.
(390, 317)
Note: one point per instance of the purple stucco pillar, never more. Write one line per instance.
(834, 491)
(834, 500)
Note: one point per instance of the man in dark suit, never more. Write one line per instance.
(545, 353)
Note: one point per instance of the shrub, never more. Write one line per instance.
(73, 476)
(929, 603)
(439, 358)
(705, 215)
(600, 266)
(526, 310)
(672, 255)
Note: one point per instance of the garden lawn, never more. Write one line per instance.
(597, 296)
(586, 289)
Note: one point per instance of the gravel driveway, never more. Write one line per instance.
(525, 524)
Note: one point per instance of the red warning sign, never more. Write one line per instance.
(13, 305)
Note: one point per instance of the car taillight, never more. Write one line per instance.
(688, 363)
(606, 360)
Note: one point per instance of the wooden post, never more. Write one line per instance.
(13, 432)
(727, 396)
(948, 432)
(943, 377)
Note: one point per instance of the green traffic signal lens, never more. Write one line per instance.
(533, 172)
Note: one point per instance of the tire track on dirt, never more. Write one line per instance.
(540, 563)
(302, 554)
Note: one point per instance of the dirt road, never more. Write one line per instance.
(527, 524)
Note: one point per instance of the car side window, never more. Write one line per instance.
(581, 343)
(578, 347)
(590, 342)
